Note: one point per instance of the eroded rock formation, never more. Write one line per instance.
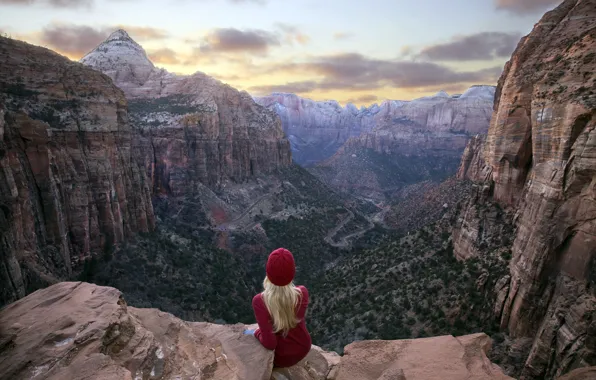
(540, 159)
(404, 143)
(318, 129)
(75, 330)
(194, 129)
(70, 185)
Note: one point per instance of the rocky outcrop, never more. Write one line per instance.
(194, 129)
(69, 182)
(541, 150)
(443, 357)
(75, 330)
(472, 164)
(318, 129)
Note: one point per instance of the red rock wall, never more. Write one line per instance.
(70, 185)
(541, 155)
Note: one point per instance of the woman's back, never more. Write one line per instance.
(287, 335)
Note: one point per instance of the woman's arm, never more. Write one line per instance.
(265, 331)
(303, 302)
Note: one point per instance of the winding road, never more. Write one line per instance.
(345, 242)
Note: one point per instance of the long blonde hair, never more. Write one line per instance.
(281, 302)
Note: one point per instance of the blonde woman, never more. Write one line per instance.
(280, 311)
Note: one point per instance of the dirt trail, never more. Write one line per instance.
(346, 241)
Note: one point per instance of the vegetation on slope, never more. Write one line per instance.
(367, 173)
(406, 288)
(180, 269)
(178, 273)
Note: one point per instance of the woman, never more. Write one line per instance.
(280, 311)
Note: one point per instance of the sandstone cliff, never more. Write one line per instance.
(69, 182)
(318, 129)
(194, 129)
(82, 331)
(539, 160)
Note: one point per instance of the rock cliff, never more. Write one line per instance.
(539, 160)
(318, 129)
(75, 330)
(194, 129)
(69, 182)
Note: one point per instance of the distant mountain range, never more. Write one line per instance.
(317, 129)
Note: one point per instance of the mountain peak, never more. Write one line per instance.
(119, 53)
(119, 34)
(479, 91)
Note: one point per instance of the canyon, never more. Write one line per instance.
(164, 186)
(375, 152)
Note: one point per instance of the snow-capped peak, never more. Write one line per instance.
(119, 53)
(119, 34)
(479, 91)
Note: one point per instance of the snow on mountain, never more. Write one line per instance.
(484, 92)
(120, 54)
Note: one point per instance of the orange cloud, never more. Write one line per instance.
(165, 56)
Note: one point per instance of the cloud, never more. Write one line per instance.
(339, 36)
(73, 39)
(480, 46)
(142, 33)
(77, 40)
(234, 40)
(52, 3)
(525, 6)
(293, 87)
(359, 70)
(164, 56)
(353, 71)
(370, 98)
(292, 34)
(406, 51)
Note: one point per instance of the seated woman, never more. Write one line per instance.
(280, 311)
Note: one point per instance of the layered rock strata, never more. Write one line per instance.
(194, 129)
(70, 185)
(540, 160)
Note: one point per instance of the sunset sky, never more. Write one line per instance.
(358, 51)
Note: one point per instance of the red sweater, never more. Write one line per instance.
(292, 348)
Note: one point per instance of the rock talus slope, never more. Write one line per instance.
(540, 160)
(70, 185)
(194, 129)
(76, 330)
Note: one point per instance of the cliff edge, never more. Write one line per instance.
(76, 330)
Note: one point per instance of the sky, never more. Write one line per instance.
(347, 50)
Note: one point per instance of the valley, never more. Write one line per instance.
(431, 218)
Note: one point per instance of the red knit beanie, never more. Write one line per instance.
(280, 267)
